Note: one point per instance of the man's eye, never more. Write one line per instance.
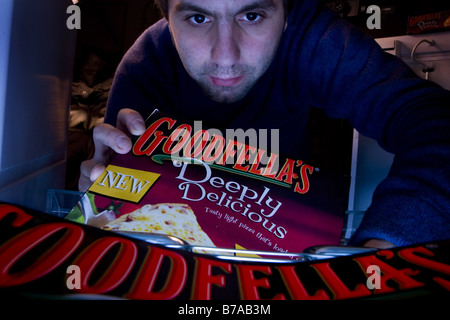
(251, 17)
(198, 19)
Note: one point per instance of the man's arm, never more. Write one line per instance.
(351, 78)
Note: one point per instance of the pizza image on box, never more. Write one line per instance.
(172, 219)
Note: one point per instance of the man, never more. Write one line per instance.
(265, 64)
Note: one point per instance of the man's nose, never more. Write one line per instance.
(225, 50)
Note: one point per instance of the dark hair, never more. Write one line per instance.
(163, 7)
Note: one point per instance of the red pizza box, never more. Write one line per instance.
(210, 190)
(44, 257)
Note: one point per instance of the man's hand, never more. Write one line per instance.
(378, 243)
(109, 140)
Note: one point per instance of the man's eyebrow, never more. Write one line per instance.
(258, 4)
(183, 6)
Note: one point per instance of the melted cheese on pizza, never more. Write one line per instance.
(165, 218)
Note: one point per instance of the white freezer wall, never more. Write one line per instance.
(36, 62)
(370, 163)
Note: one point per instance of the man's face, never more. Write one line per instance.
(226, 45)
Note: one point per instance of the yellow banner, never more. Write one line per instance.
(124, 183)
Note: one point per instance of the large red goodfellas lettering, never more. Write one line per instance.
(49, 260)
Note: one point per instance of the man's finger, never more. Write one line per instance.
(96, 172)
(130, 121)
(107, 138)
(89, 172)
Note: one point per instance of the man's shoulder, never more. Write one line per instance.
(307, 15)
(159, 30)
(157, 35)
(153, 45)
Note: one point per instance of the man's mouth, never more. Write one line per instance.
(226, 82)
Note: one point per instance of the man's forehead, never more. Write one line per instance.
(223, 6)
